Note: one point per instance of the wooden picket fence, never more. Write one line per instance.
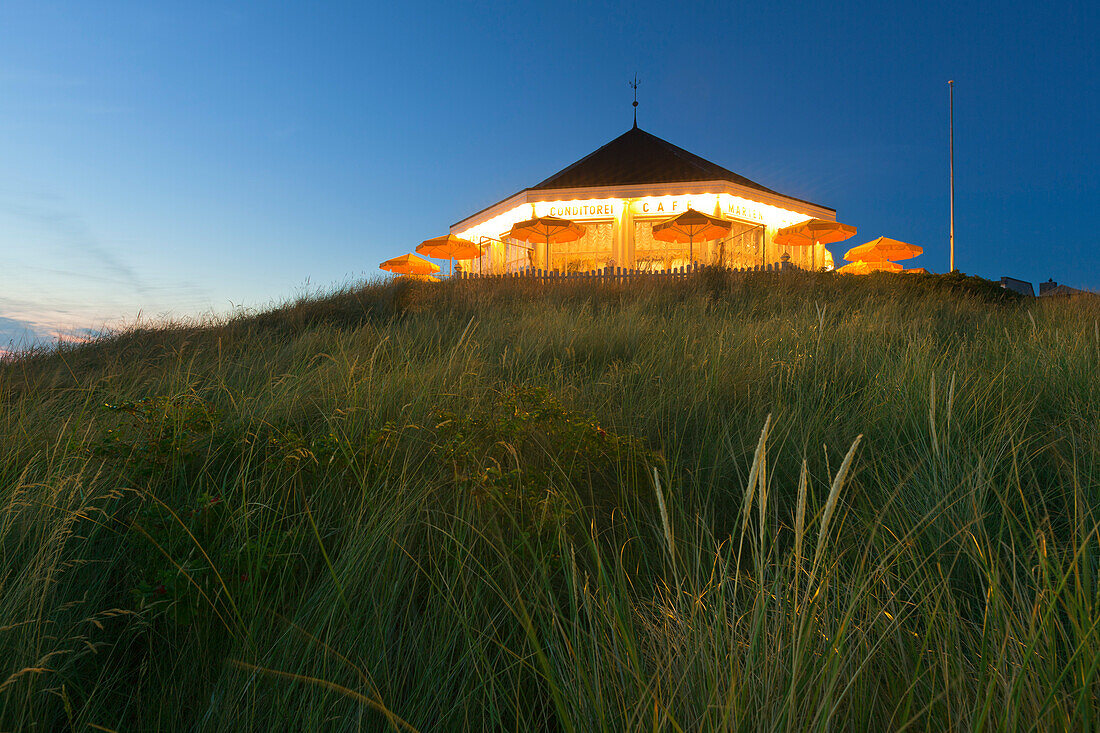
(612, 274)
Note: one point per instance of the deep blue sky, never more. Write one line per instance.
(191, 157)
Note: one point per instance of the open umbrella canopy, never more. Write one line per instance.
(861, 267)
(449, 247)
(814, 231)
(883, 248)
(409, 264)
(691, 226)
(547, 230)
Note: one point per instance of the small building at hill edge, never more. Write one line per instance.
(619, 192)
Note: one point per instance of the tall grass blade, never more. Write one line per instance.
(834, 496)
(799, 527)
(754, 473)
(665, 524)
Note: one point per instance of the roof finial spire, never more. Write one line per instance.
(634, 86)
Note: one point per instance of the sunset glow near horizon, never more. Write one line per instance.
(170, 162)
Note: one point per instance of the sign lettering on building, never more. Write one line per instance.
(581, 211)
(647, 208)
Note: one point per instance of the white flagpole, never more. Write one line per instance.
(951, 86)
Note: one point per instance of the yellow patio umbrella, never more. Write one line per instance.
(812, 233)
(547, 230)
(690, 226)
(409, 264)
(883, 248)
(862, 267)
(449, 247)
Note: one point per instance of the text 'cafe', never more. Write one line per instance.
(619, 192)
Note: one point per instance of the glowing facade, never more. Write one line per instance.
(619, 192)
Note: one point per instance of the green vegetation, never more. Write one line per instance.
(584, 508)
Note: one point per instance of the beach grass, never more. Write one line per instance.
(757, 501)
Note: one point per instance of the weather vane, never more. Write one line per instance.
(634, 86)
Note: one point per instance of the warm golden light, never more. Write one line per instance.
(580, 209)
(666, 206)
(722, 204)
(620, 229)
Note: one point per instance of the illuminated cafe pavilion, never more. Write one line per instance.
(619, 192)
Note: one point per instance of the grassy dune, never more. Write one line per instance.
(761, 502)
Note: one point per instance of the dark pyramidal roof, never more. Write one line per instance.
(636, 156)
